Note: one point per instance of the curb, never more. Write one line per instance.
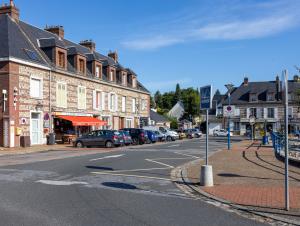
(179, 177)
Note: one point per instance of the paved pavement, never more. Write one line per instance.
(130, 186)
(251, 177)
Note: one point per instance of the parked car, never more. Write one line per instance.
(197, 133)
(126, 136)
(181, 134)
(152, 138)
(160, 136)
(170, 134)
(138, 135)
(189, 133)
(107, 138)
(221, 133)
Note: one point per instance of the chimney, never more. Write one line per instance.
(113, 55)
(246, 80)
(58, 30)
(89, 44)
(296, 78)
(10, 10)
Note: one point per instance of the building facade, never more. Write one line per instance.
(263, 102)
(50, 84)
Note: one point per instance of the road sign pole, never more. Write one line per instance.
(228, 135)
(207, 132)
(286, 102)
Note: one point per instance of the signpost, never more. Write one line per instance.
(206, 177)
(252, 122)
(284, 89)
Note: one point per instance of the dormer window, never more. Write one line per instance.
(81, 66)
(112, 75)
(253, 97)
(124, 79)
(61, 59)
(134, 82)
(270, 97)
(98, 71)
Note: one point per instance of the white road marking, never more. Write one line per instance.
(164, 164)
(174, 145)
(192, 156)
(107, 157)
(133, 170)
(61, 183)
(130, 175)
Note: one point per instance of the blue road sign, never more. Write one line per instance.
(205, 97)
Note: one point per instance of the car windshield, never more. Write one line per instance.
(117, 133)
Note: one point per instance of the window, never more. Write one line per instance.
(253, 112)
(81, 97)
(108, 120)
(111, 75)
(112, 102)
(123, 104)
(61, 95)
(144, 105)
(97, 100)
(134, 82)
(81, 66)
(133, 106)
(129, 123)
(290, 112)
(253, 97)
(61, 59)
(36, 90)
(270, 97)
(290, 97)
(98, 72)
(124, 80)
(103, 104)
(271, 113)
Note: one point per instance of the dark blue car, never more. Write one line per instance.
(152, 138)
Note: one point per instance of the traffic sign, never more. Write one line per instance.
(229, 110)
(206, 97)
(252, 120)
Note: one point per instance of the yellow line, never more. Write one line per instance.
(129, 175)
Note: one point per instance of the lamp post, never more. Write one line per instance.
(229, 88)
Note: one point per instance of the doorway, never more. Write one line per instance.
(36, 131)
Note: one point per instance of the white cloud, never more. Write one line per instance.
(246, 29)
(152, 43)
(266, 20)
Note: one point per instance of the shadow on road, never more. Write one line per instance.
(100, 168)
(119, 185)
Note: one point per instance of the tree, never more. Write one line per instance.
(177, 95)
(158, 99)
(152, 102)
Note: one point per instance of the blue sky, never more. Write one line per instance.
(191, 42)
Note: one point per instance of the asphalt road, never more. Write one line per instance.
(131, 186)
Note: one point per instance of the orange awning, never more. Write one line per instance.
(83, 120)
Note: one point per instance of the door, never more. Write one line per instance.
(35, 128)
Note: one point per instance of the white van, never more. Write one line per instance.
(170, 135)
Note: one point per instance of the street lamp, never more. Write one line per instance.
(229, 88)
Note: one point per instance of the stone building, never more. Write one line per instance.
(50, 84)
(263, 101)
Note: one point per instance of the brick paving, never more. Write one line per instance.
(251, 176)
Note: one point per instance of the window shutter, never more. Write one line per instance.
(116, 103)
(94, 100)
(103, 101)
(248, 112)
(265, 112)
(276, 113)
(258, 114)
(109, 99)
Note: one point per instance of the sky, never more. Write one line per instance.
(190, 42)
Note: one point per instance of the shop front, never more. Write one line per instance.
(68, 127)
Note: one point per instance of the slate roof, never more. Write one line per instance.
(22, 41)
(241, 94)
(177, 111)
(157, 117)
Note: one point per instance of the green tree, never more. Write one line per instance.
(177, 95)
(152, 102)
(158, 99)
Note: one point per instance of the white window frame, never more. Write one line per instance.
(61, 103)
(41, 87)
(131, 122)
(111, 107)
(97, 72)
(79, 99)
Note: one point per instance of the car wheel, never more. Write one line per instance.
(79, 144)
(169, 138)
(109, 144)
(135, 141)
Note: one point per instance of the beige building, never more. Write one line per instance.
(50, 84)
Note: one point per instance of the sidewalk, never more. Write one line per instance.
(250, 176)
